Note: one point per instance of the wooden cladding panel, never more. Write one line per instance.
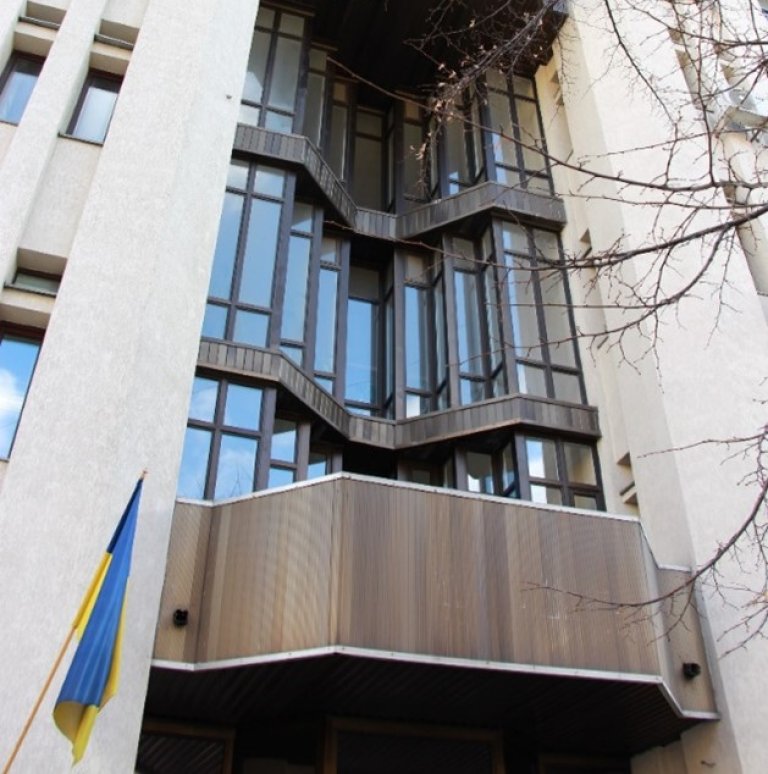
(184, 581)
(400, 569)
(453, 576)
(293, 149)
(437, 426)
(268, 576)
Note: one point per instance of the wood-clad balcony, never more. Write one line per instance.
(360, 596)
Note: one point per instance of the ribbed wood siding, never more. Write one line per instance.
(293, 149)
(441, 425)
(402, 569)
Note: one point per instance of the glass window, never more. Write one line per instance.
(16, 86)
(216, 404)
(236, 472)
(361, 351)
(215, 321)
(416, 343)
(284, 440)
(251, 328)
(285, 74)
(542, 458)
(243, 407)
(93, 112)
(325, 341)
(297, 275)
(579, 463)
(257, 67)
(202, 404)
(480, 473)
(226, 246)
(468, 324)
(194, 463)
(18, 356)
(260, 253)
(318, 464)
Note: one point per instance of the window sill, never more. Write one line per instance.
(81, 139)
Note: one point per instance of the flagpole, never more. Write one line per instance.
(39, 701)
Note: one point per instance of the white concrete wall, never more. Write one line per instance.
(705, 373)
(110, 393)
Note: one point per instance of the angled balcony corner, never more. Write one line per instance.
(357, 585)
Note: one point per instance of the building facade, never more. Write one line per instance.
(404, 469)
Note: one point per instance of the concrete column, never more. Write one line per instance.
(111, 389)
(46, 114)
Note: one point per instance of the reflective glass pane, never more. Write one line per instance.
(364, 283)
(297, 274)
(215, 321)
(415, 405)
(361, 351)
(504, 149)
(531, 380)
(441, 357)
(313, 116)
(260, 251)
(539, 184)
(326, 384)
(523, 87)
(243, 407)
(202, 404)
(226, 246)
(17, 361)
(269, 181)
(367, 188)
(284, 440)
(237, 176)
(542, 458)
(237, 464)
(496, 80)
(285, 74)
(509, 471)
(416, 338)
(257, 66)
(416, 268)
(96, 111)
(325, 329)
(468, 323)
(369, 123)
(278, 122)
(585, 501)
(515, 238)
(413, 182)
(456, 151)
(580, 463)
(317, 465)
(329, 251)
(567, 387)
(280, 477)
(530, 134)
(291, 24)
(546, 494)
(302, 218)
(337, 145)
(251, 328)
(317, 59)
(194, 463)
(249, 115)
(557, 320)
(495, 341)
(522, 307)
(266, 18)
(472, 391)
(479, 473)
(18, 89)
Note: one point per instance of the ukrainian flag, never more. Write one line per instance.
(92, 678)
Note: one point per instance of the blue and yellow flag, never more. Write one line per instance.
(93, 674)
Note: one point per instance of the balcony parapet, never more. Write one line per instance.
(537, 209)
(437, 426)
(371, 570)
